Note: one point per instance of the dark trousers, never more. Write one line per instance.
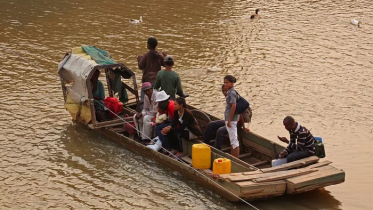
(162, 137)
(175, 139)
(297, 155)
(215, 130)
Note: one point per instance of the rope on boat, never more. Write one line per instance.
(177, 158)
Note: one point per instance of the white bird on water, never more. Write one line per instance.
(356, 22)
(134, 21)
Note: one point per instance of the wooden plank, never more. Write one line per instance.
(227, 176)
(291, 173)
(326, 175)
(322, 171)
(242, 177)
(319, 164)
(299, 163)
(252, 190)
(253, 172)
(312, 187)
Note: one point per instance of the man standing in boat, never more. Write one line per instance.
(148, 112)
(150, 63)
(301, 144)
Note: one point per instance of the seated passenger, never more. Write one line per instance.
(98, 93)
(184, 125)
(169, 80)
(164, 100)
(148, 112)
(161, 117)
(217, 129)
(301, 144)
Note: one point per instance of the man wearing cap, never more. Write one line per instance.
(150, 63)
(148, 112)
(169, 80)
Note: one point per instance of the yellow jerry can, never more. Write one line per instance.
(222, 166)
(201, 156)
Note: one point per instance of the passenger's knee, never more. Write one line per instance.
(221, 131)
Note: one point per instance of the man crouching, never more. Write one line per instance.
(301, 144)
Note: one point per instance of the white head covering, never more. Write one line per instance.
(161, 96)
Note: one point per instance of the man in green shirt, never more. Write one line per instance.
(169, 81)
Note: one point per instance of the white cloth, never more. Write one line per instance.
(156, 144)
(160, 118)
(75, 69)
(145, 127)
(232, 132)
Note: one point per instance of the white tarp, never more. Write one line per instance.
(75, 68)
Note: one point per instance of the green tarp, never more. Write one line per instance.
(100, 56)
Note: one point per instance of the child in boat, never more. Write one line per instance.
(161, 116)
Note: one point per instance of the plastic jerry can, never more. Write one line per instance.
(201, 156)
(222, 166)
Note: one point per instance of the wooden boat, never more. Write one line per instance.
(251, 177)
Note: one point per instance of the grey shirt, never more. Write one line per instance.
(231, 98)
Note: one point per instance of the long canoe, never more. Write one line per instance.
(251, 177)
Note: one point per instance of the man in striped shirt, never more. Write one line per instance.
(301, 144)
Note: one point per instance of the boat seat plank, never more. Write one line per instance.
(291, 173)
(261, 149)
(226, 149)
(244, 155)
(296, 164)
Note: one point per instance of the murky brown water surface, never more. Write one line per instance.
(302, 58)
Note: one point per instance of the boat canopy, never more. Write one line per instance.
(75, 71)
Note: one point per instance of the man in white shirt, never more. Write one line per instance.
(148, 112)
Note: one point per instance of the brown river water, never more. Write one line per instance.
(301, 58)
